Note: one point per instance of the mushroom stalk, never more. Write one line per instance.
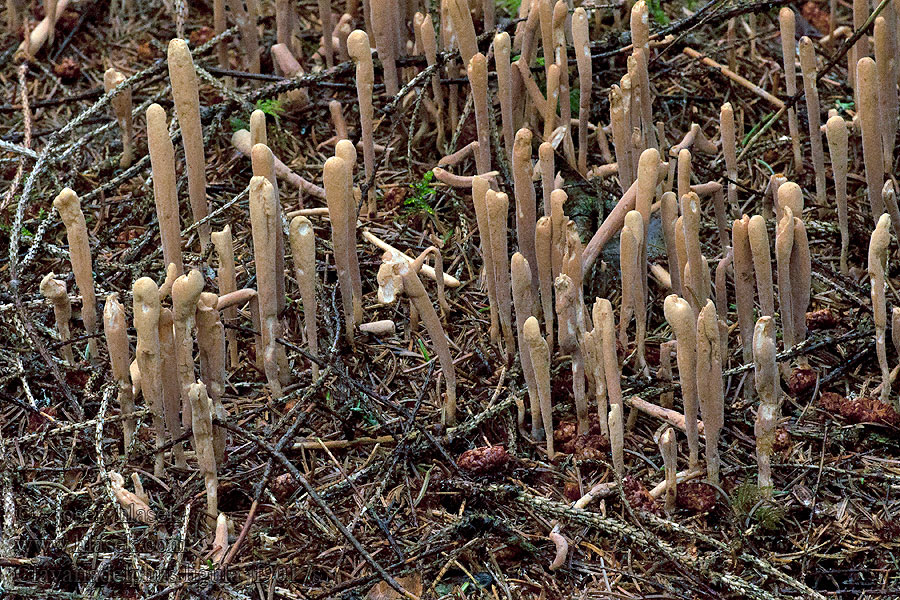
(711, 393)
(121, 105)
(539, 354)
(743, 283)
(523, 300)
(165, 195)
(546, 161)
(729, 150)
(262, 220)
(385, 31)
(762, 264)
(878, 247)
(789, 51)
(526, 209)
(361, 53)
(115, 329)
(544, 250)
(227, 283)
(886, 63)
(185, 93)
(146, 322)
(668, 213)
(581, 42)
(480, 187)
(669, 450)
(836, 132)
(766, 377)
(339, 204)
(69, 207)
(867, 90)
(630, 241)
(504, 89)
(54, 290)
(185, 293)
(202, 431)
(605, 322)
(170, 385)
(567, 293)
(418, 297)
(303, 249)
(784, 242)
(498, 209)
(263, 162)
(811, 91)
(211, 344)
(478, 80)
(680, 317)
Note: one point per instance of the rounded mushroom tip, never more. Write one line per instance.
(346, 150)
(208, 299)
(112, 78)
(178, 48)
(358, 44)
(531, 329)
(300, 225)
(64, 198)
(143, 289)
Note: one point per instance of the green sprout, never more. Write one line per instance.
(420, 197)
(271, 107)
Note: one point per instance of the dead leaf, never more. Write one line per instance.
(382, 591)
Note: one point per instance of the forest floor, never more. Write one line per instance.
(365, 435)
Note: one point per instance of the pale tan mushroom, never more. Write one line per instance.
(784, 242)
(429, 44)
(263, 163)
(808, 68)
(464, 29)
(121, 105)
(711, 392)
(680, 317)
(385, 31)
(762, 264)
(539, 354)
(202, 431)
(668, 212)
(146, 322)
(327, 43)
(211, 346)
(54, 290)
(743, 283)
(69, 207)
(552, 100)
(789, 51)
(220, 541)
(867, 90)
(185, 293)
(729, 150)
(801, 281)
(185, 93)
(669, 451)
(621, 137)
(498, 210)
(617, 438)
(836, 132)
(582, 46)
(504, 89)
(526, 208)
(478, 80)
(116, 331)
(630, 242)
(361, 53)
(523, 300)
(262, 219)
(336, 174)
(418, 297)
(546, 162)
(165, 195)
(227, 283)
(605, 323)
(558, 222)
(698, 284)
(303, 249)
(878, 247)
(567, 306)
(767, 388)
(135, 506)
(886, 48)
(170, 386)
(544, 250)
